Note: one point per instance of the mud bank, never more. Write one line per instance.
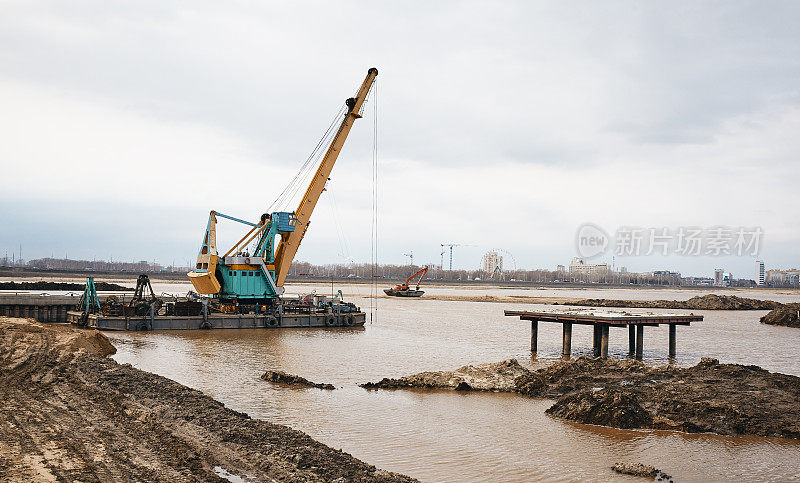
(787, 315)
(26, 286)
(700, 302)
(282, 378)
(728, 399)
(68, 413)
(639, 469)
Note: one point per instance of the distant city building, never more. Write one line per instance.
(579, 267)
(492, 262)
(661, 275)
(666, 273)
(699, 281)
(719, 274)
(782, 277)
(722, 278)
(760, 272)
(561, 269)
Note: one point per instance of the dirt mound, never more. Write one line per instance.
(610, 407)
(21, 338)
(729, 302)
(497, 376)
(699, 302)
(636, 469)
(280, 377)
(92, 341)
(787, 315)
(72, 415)
(62, 286)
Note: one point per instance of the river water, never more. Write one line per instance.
(448, 436)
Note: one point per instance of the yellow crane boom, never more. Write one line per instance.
(290, 242)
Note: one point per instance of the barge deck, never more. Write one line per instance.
(219, 321)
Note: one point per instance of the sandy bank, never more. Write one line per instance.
(700, 302)
(727, 399)
(505, 299)
(69, 413)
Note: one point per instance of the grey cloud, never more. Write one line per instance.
(568, 85)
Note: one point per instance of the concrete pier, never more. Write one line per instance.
(601, 323)
(603, 340)
(639, 341)
(566, 348)
(631, 340)
(672, 341)
(42, 308)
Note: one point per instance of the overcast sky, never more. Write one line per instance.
(501, 125)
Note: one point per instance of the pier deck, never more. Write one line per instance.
(39, 306)
(601, 323)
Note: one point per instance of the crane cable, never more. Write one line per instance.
(308, 167)
(374, 229)
(285, 198)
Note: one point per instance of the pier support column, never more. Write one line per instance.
(604, 341)
(671, 341)
(566, 349)
(596, 340)
(534, 335)
(639, 341)
(631, 340)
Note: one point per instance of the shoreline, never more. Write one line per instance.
(17, 274)
(75, 414)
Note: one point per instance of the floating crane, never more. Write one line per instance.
(239, 276)
(402, 290)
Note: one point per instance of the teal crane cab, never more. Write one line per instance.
(241, 274)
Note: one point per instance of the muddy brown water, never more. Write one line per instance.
(448, 436)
